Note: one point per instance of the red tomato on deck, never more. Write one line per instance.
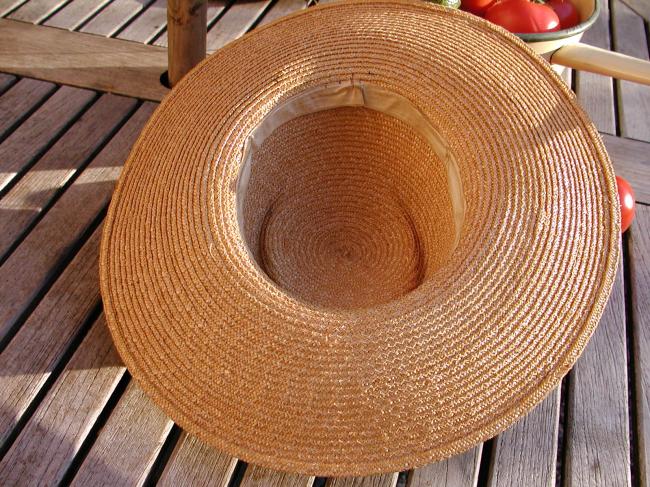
(523, 17)
(566, 12)
(626, 198)
(477, 7)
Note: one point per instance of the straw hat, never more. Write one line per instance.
(360, 239)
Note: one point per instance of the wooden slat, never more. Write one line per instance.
(6, 80)
(128, 444)
(148, 24)
(237, 20)
(215, 8)
(195, 463)
(457, 471)
(83, 60)
(187, 25)
(631, 160)
(18, 150)
(35, 11)
(75, 13)
(47, 445)
(7, 6)
(526, 454)
(282, 8)
(21, 98)
(25, 201)
(26, 363)
(114, 16)
(640, 286)
(595, 92)
(598, 446)
(634, 99)
(255, 476)
(30, 266)
(386, 480)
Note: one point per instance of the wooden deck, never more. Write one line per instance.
(69, 411)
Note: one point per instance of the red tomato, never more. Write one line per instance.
(626, 198)
(477, 7)
(566, 12)
(523, 17)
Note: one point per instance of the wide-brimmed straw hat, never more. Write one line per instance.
(360, 239)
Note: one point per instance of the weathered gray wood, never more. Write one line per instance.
(255, 476)
(26, 200)
(7, 6)
(114, 16)
(640, 277)
(386, 480)
(83, 60)
(282, 8)
(20, 99)
(148, 24)
(457, 471)
(598, 445)
(75, 13)
(631, 160)
(595, 92)
(36, 11)
(29, 267)
(215, 7)
(47, 445)
(128, 444)
(43, 126)
(29, 358)
(195, 463)
(634, 99)
(526, 454)
(237, 20)
(641, 7)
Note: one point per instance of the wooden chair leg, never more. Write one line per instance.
(186, 36)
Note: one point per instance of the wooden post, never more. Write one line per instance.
(187, 25)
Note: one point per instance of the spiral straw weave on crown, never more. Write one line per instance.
(339, 332)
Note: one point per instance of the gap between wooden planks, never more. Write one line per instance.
(83, 60)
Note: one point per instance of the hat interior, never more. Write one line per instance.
(348, 197)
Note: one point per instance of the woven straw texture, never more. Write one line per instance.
(339, 330)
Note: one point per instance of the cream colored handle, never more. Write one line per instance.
(601, 61)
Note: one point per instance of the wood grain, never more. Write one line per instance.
(148, 24)
(131, 439)
(631, 159)
(35, 11)
(187, 25)
(282, 8)
(27, 199)
(49, 442)
(639, 246)
(634, 99)
(20, 99)
(30, 266)
(6, 80)
(7, 6)
(595, 92)
(114, 16)
(237, 20)
(598, 445)
(32, 137)
(82, 60)
(27, 362)
(75, 14)
(195, 463)
(386, 480)
(526, 454)
(215, 8)
(457, 471)
(255, 476)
